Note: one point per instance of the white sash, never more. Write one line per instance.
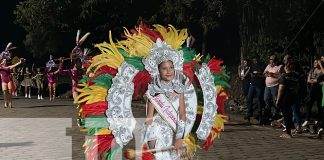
(165, 109)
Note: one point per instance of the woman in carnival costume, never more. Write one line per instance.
(7, 82)
(39, 79)
(78, 57)
(74, 73)
(14, 76)
(152, 62)
(51, 72)
(27, 82)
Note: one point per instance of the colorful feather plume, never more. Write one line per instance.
(93, 88)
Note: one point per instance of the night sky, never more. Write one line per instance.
(11, 32)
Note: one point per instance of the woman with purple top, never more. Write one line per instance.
(75, 73)
(52, 78)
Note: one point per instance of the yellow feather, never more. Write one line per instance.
(103, 131)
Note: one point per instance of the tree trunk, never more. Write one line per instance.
(204, 40)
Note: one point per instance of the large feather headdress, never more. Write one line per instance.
(122, 71)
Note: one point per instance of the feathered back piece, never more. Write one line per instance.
(104, 140)
(6, 53)
(50, 63)
(77, 51)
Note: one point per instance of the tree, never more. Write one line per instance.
(267, 27)
(204, 13)
(45, 22)
(51, 25)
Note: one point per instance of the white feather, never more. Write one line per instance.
(84, 38)
(77, 37)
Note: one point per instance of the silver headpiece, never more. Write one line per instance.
(160, 52)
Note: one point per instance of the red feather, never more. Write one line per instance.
(104, 70)
(97, 108)
(221, 97)
(189, 70)
(141, 81)
(146, 30)
(215, 65)
(102, 144)
(208, 143)
(152, 34)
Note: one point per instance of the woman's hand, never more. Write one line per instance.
(61, 59)
(179, 145)
(22, 60)
(149, 121)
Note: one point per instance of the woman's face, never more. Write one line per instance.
(166, 70)
(316, 64)
(38, 69)
(245, 63)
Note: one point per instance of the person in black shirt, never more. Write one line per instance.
(256, 88)
(288, 95)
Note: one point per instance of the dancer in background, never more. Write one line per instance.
(7, 82)
(39, 79)
(27, 82)
(16, 84)
(51, 72)
(74, 73)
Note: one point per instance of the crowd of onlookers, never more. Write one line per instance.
(285, 92)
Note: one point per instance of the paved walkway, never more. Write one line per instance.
(36, 129)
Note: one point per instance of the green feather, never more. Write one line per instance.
(220, 80)
(97, 122)
(112, 152)
(85, 79)
(103, 80)
(122, 52)
(188, 55)
(224, 72)
(207, 58)
(136, 62)
(92, 131)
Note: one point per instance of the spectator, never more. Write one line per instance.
(190, 40)
(288, 92)
(272, 74)
(244, 75)
(314, 92)
(256, 88)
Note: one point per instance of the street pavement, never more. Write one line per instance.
(40, 129)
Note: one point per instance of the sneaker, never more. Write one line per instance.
(25, 95)
(298, 130)
(38, 97)
(41, 97)
(305, 123)
(284, 130)
(320, 133)
(281, 120)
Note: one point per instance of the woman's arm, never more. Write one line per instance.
(279, 96)
(15, 65)
(150, 112)
(309, 80)
(182, 108)
(181, 125)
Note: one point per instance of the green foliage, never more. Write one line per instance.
(267, 27)
(51, 25)
(44, 21)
